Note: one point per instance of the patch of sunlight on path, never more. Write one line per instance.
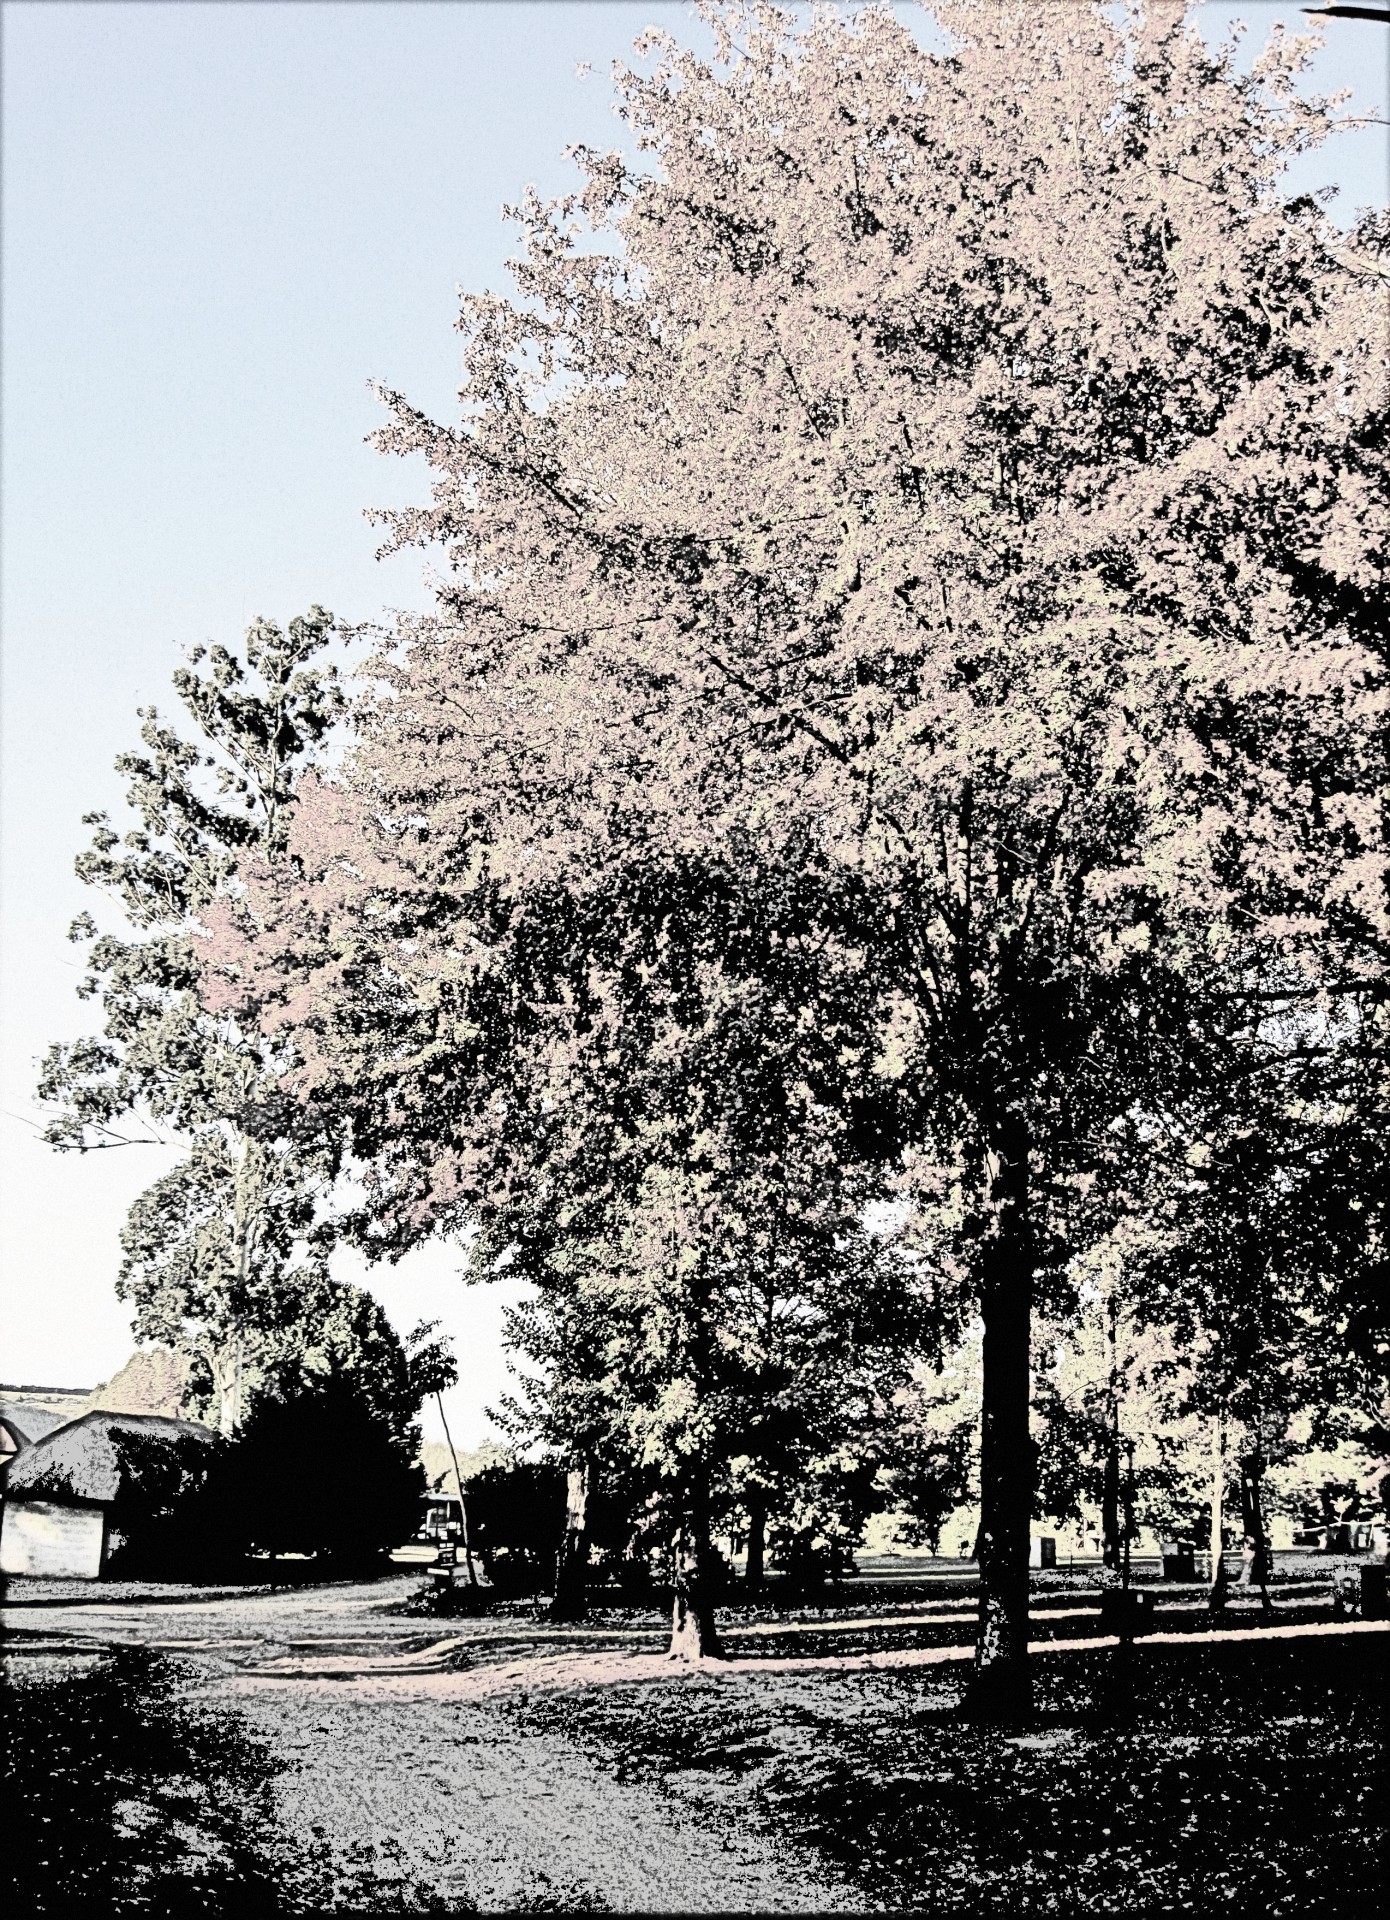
(613, 1669)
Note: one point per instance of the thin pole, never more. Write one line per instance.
(458, 1482)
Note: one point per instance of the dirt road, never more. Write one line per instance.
(505, 1763)
(407, 1782)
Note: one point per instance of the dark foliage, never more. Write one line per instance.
(322, 1473)
(805, 1561)
(927, 1477)
(516, 1516)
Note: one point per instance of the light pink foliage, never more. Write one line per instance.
(969, 462)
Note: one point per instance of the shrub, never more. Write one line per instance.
(319, 1473)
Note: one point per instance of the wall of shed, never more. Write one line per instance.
(51, 1541)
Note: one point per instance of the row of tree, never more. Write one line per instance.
(884, 828)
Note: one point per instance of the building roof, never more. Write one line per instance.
(91, 1458)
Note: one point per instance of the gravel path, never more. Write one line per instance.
(411, 1767)
(448, 1792)
(409, 1783)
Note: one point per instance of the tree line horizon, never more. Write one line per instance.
(881, 832)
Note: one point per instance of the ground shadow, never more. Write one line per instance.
(1244, 1775)
(128, 1795)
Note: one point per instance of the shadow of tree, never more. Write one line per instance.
(126, 1793)
(1241, 1775)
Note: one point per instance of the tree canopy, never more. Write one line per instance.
(914, 550)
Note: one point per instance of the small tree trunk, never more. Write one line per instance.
(1110, 1507)
(572, 1562)
(1329, 1517)
(1001, 1686)
(692, 1616)
(755, 1572)
(1254, 1560)
(1216, 1596)
(246, 1195)
(1110, 1485)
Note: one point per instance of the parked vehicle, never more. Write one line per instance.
(442, 1519)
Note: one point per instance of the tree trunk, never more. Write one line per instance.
(1329, 1516)
(1216, 1596)
(692, 1616)
(1110, 1485)
(246, 1193)
(755, 1572)
(226, 1365)
(1254, 1560)
(572, 1562)
(1001, 1686)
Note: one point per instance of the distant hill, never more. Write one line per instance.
(439, 1467)
(153, 1380)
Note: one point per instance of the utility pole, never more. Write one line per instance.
(463, 1502)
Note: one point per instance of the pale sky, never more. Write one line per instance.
(221, 222)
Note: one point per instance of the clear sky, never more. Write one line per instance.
(220, 222)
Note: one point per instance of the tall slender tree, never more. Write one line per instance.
(225, 1256)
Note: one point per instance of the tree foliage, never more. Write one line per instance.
(225, 1255)
(926, 550)
(323, 1472)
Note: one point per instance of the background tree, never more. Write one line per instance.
(713, 1319)
(930, 1466)
(1270, 1241)
(225, 1256)
(320, 1472)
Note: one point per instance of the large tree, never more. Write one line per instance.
(949, 484)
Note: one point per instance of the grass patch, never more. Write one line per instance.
(1247, 1777)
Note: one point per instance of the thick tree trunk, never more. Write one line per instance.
(226, 1364)
(572, 1562)
(692, 1615)
(755, 1573)
(1216, 1596)
(1001, 1686)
